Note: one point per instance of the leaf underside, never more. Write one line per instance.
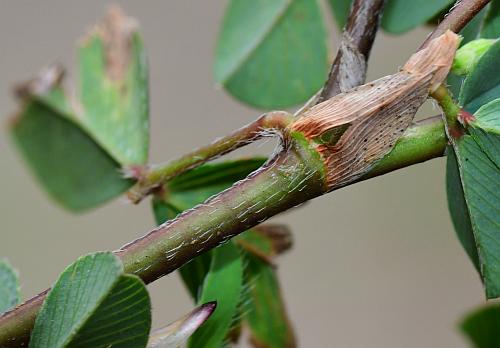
(266, 314)
(77, 143)
(116, 111)
(223, 284)
(94, 304)
(75, 171)
(473, 172)
(483, 84)
(9, 287)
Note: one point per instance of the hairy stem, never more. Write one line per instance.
(293, 177)
(347, 71)
(450, 109)
(148, 179)
(451, 112)
(163, 250)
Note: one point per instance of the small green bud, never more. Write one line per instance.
(468, 55)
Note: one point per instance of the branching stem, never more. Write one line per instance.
(284, 183)
(293, 177)
(451, 111)
(148, 179)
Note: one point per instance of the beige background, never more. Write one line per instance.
(375, 265)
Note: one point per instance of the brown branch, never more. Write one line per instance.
(349, 67)
(460, 14)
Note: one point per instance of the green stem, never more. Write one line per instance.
(292, 178)
(421, 142)
(450, 109)
(175, 243)
(150, 179)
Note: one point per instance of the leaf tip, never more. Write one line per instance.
(176, 333)
(48, 78)
(116, 31)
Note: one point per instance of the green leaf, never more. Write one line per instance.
(192, 188)
(481, 184)
(266, 315)
(340, 9)
(399, 16)
(402, 15)
(177, 333)
(9, 287)
(114, 88)
(272, 53)
(482, 85)
(266, 240)
(223, 284)
(486, 130)
(94, 304)
(469, 32)
(475, 204)
(483, 326)
(74, 170)
(491, 24)
(487, 117)
(458, 208)
(77, 146)
(263, 306)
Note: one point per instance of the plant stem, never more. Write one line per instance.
(421, 142)
(294, 176)
(150, 179)
(347, 71)
(167, 247)
(461, 13)
(349, 67)
(147, 256)
(450, 109)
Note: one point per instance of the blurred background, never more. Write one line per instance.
(376, 264)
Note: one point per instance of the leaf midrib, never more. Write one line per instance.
(84, 319)
(260, 39)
